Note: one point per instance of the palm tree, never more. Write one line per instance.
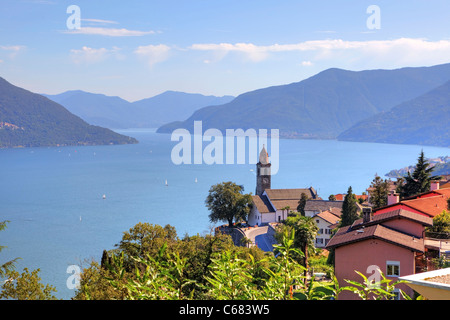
(305, 234)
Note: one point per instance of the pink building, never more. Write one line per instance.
(391, 241)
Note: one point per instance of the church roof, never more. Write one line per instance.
(264, 156)
(262, 204)
(290, 194)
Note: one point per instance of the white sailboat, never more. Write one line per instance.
(167, 183)
(196, 180)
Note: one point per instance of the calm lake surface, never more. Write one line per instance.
(53, 197)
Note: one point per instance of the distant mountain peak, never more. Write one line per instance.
(31, 120)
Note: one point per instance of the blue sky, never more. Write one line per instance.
(136, 49)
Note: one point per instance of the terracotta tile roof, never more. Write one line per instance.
(262, 204)
(347, 235)
(394, 214)
(430, 203)
(340, 197)
(329, 217)
(445, 185)
(336, 211)
(290, 194)
(432, 206)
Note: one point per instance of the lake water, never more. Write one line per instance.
(53, 197)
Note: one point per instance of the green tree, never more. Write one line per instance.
(8, 266)
(379, 190)
(441, 226)
(227, 202)
(305, 230)
(146, 238)
(349, 209)
(332, 197)
(24, 286)
(302, 204)
(420, 180)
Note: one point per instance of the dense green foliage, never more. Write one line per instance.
(34, 121)
(379, 190)
(212, 268)
(420, 180)
(22, 286)
(412, 122)
(302, 204)
(227, 202)
(441, 226)
(322, 106)
(349, 209)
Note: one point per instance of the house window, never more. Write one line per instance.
(319, 241)
(320, 231)
(396, 294)
(393, 268)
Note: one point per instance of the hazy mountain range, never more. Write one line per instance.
(408, 105)
(328, 104)
(30, 120)
(117, 113)
(423, 120)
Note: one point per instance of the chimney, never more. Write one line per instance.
(393, 198)
(367, 214)
(434, 185)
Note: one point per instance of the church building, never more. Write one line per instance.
(273, 205)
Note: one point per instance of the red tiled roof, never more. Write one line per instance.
(340, 197)
(328, 217)
(430, 203)
(394, 214)
(432, 206)
(347, 235)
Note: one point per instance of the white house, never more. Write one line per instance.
(326, 221)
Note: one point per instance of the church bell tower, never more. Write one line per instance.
(263, 172)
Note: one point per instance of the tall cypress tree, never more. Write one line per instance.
(379, 192)
(420, 180)
(349, 209)
(302, 204)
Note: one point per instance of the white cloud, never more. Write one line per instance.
(153, 54)
(91, 55)
(109, 32)
(307, 63)
(100, 21)
(13, 50)
(405, 50)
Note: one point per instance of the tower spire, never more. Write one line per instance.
(263, 175)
